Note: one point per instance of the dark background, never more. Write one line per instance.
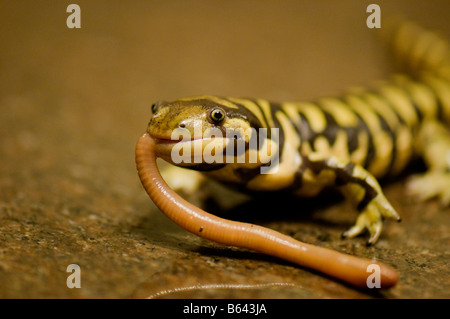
(74, 101)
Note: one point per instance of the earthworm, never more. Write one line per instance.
(346, 268)
(169, 291)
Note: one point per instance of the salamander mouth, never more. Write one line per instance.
(172, 150)
(169, 141)
(165, 140)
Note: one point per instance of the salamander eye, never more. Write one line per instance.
(216, 115)
(154, 107)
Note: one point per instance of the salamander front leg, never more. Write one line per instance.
(363, 190)
(189, 184)
(199, 190)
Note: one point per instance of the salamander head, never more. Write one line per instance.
(199, 132)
